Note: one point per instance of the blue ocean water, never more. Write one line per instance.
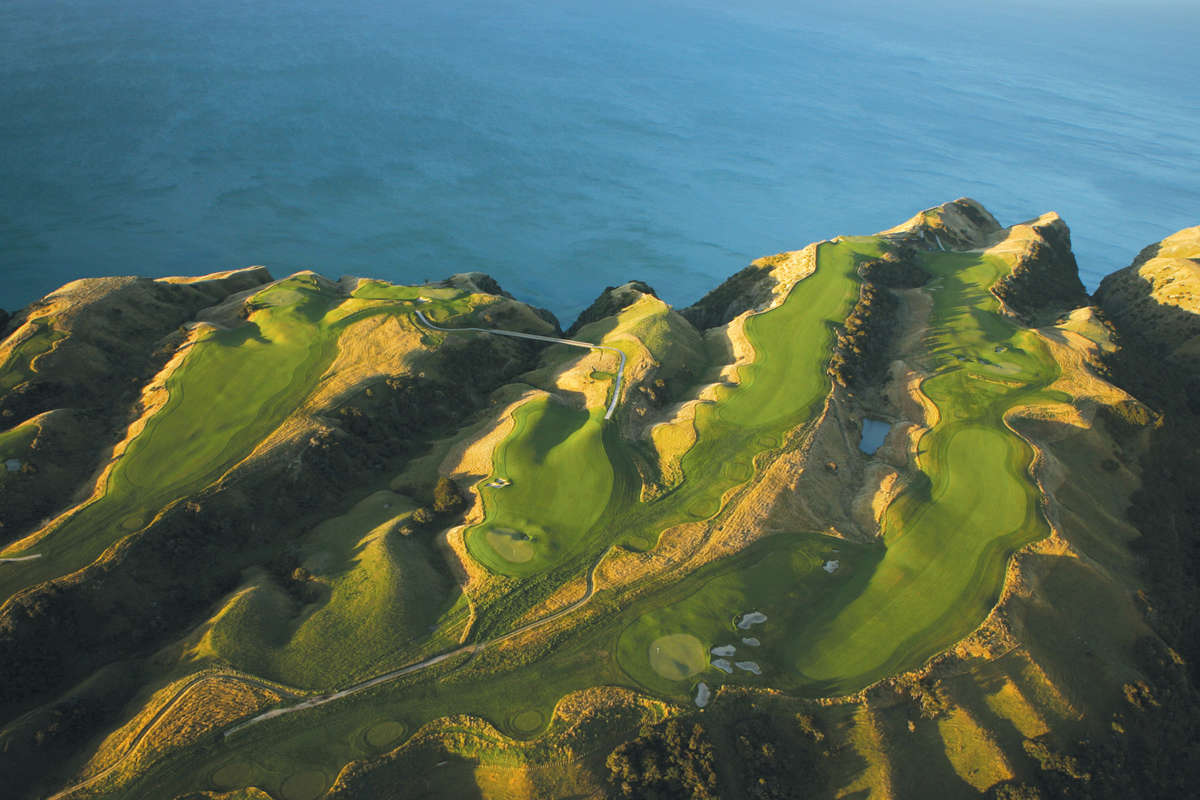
(565, 146)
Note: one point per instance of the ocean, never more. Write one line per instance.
(566, 146)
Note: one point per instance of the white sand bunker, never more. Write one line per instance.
(703, 694)
(831, 566)
(724, 650)
(751, 641)
(749, 666)
(13, 464)
(753, 618)
(723, 665)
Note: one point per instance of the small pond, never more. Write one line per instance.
(874, 432)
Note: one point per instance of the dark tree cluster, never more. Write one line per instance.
(895, 270)
(772, 767)
(671, 761)
(860, 348)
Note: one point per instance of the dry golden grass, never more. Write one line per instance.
(176, 716)
(875, 776)
(153, 397)
(1009, 703)
(972, 751)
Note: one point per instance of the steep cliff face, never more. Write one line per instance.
(1045, 278)
(1156, 299)
(612, 300)
(959, 225)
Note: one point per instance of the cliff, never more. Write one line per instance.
(1156, 299)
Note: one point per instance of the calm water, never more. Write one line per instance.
(563, 146)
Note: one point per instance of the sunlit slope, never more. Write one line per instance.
(233, 387)
(946, 550)
(946, 540)
(359, 580)
(563, 498)
(552, 480)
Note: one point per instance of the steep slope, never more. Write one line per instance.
(714, 592)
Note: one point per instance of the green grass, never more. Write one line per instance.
(573, 490)
(374, 587)
(14, 443)
(562, 480)
(947, 542)
(780, 576)
(232, 390)
(888, 607)
(19, 366)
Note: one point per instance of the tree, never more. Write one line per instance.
(446, 496)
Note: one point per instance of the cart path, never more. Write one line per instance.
(612, 404)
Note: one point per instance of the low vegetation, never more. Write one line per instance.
(623, 612)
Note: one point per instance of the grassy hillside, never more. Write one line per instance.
(355, 636)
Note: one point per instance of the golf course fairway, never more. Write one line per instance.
(946, 539)
(232, 389)
(571, 490)
(561, 481)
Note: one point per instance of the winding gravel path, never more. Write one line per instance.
(612, 404)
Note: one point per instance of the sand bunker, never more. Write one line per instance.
(750, 641)
(722, 664)
(831, 566)
(724, 650)
(703, 694)
(510, 545)
(749, 666)
(753, 618)
(678, 656)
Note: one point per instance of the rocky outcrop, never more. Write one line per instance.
(960, 225)
(613, 300)
(1155, 301)
(1045, 277)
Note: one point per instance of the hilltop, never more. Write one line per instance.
(302, 537)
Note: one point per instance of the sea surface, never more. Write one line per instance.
(565, 146)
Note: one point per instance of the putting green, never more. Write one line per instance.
(510, 545)
(385, 733)
(677, 656)
(574, 488)
(233, 774)
(780, 576)
(528, 721)
(947, 540)
(307, 785)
